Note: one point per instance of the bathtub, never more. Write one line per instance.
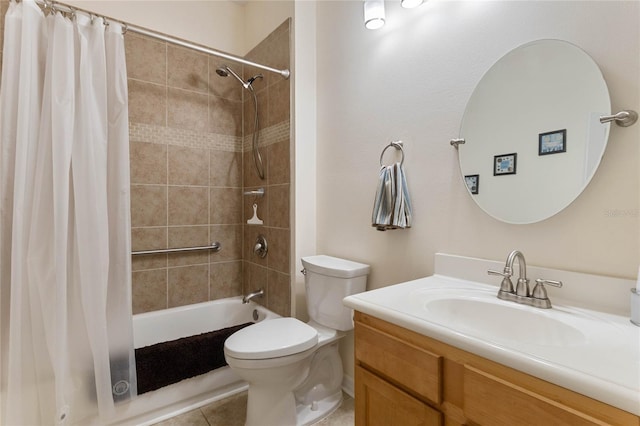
(170, 324)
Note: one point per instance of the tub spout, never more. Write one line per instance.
(248, 297)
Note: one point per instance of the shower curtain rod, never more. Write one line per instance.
(62, 7)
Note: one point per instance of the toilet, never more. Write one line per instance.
(294, 368)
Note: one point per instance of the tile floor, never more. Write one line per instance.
(231, 412)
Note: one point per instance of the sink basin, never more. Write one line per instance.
(502, 322)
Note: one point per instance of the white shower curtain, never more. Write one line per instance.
(65, 265)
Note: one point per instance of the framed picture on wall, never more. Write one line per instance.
(473, 183)
(505, 164)
(552, 142)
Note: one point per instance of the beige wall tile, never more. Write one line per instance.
(279, 206)
(187, 110)
(188, 166)
(148, 261)
(279, 52)
(226, 206)
(146, 59)
(187, 69)
(188, 284)
(224, 87)
(225, 116)
(230, 238)
(189, 236)
(188, 205)
(149, 238)
(147, 103)
(148, 205)
(279, 249)
(225, 279)
(249, 174)
(226, 168)
(279, 102)
(148, 162)
(249, 113)
(255, 278)
(279, 293)
(279, 163)
(4, 6)
(149, 289)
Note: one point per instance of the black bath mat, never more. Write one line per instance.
(166, 363)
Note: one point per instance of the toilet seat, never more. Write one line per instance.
(271, 339)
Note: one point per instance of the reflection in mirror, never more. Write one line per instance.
(532, 131)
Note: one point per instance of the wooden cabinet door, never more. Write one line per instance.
(489, 400)
(378, 403)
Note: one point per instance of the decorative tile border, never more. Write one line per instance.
(139, 132)
(277, 133)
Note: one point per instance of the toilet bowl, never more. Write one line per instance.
(294, 368)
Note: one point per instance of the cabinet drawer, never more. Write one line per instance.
(490, 400)
(379, 403)
(405, 365)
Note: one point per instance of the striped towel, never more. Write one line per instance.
(392, 205)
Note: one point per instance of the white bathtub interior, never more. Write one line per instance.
(170, 324)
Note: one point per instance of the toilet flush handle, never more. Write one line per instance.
(304, 271)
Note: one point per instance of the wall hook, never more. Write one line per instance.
(624, 118)
(455, 142)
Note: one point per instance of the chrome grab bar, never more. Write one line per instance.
(216, 247)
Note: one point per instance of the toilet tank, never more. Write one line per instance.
(328, 280)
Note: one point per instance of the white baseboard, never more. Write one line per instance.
(347, 386)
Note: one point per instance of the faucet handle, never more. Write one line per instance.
(506, 286)
(550, 282)
(494, 272)
(539, 292)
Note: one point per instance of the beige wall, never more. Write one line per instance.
(411, 81)
(217, 24)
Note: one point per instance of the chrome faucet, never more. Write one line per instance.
(538, 298)
(248, 297)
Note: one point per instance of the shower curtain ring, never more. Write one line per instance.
(125, 28)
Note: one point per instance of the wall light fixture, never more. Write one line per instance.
(374, 14)
(410, 4)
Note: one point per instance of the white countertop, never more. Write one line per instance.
(600, 357)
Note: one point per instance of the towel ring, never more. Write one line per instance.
(396, 145)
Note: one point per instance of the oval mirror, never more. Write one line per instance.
(533, 139)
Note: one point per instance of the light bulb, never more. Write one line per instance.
(373, 14)
(410, 4)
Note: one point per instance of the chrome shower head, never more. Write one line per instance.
(224, 71)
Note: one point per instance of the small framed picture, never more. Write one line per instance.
(504, 164)
(473, 183)
(552, 142)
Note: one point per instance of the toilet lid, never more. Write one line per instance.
(271, 339)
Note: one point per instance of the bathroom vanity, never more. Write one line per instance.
(444, 350)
